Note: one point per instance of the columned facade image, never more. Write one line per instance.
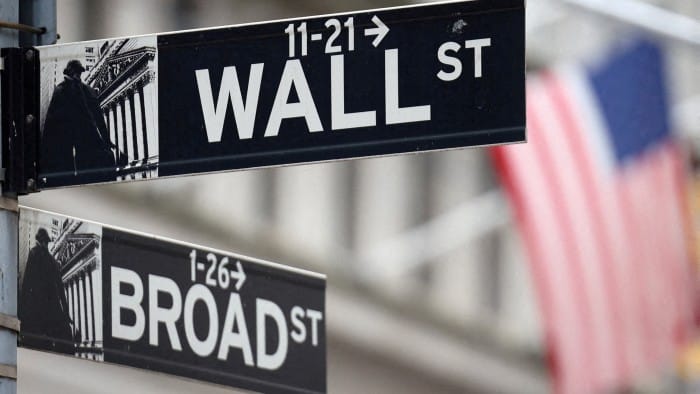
(78, 255)
(124, 78)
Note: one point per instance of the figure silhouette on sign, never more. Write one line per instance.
(43, 309)
(75, 141)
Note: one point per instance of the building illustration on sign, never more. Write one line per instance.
(101, 98)
(110, 295)
(61, 254)
(77, 252)
(124, 77)
(451, 81)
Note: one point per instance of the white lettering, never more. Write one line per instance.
(234, 316)
(293, 75)
(453, 62)
(167, 316)
(199, 292)
(394, 113)
(131, 302)
(340, 119)
(264, 309)
(477, 45)
(299, 332)
(315, 317)
(244, 112)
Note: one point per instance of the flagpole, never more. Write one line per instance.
(648, 17)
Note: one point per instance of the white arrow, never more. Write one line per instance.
(238, 275)
(380, 31)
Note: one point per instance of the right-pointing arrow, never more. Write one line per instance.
(238, 275)
(380, 31)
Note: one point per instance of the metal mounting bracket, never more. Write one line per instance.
(19, 97)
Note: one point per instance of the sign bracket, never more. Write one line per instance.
(8, 371)
(9, 322)
(20, 113)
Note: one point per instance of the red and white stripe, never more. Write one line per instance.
(606, 243)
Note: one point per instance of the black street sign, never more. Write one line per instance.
(110, 295)
(341, 86)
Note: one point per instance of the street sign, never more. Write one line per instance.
(100, 293)
(370, 83)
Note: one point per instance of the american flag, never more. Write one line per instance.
(598, 192)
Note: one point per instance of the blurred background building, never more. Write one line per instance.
(429, 290)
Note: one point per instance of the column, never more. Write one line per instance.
(127, 127)
(143, 129)
(110, 123)
(150, 104)
(119, 126)
(69, 299)
(81, 310)
(96, 282)
(91, 292)
(381, 215)
(124, 133)
(88, 308)
(113, 134)
(135, 124)
(76, 306)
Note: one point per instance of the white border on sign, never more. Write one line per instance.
(279, 20)
(190, 245)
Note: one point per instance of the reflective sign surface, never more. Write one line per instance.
(361, 84)
(104, 294)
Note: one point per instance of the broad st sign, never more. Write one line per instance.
(109, 295)
(361, 84)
